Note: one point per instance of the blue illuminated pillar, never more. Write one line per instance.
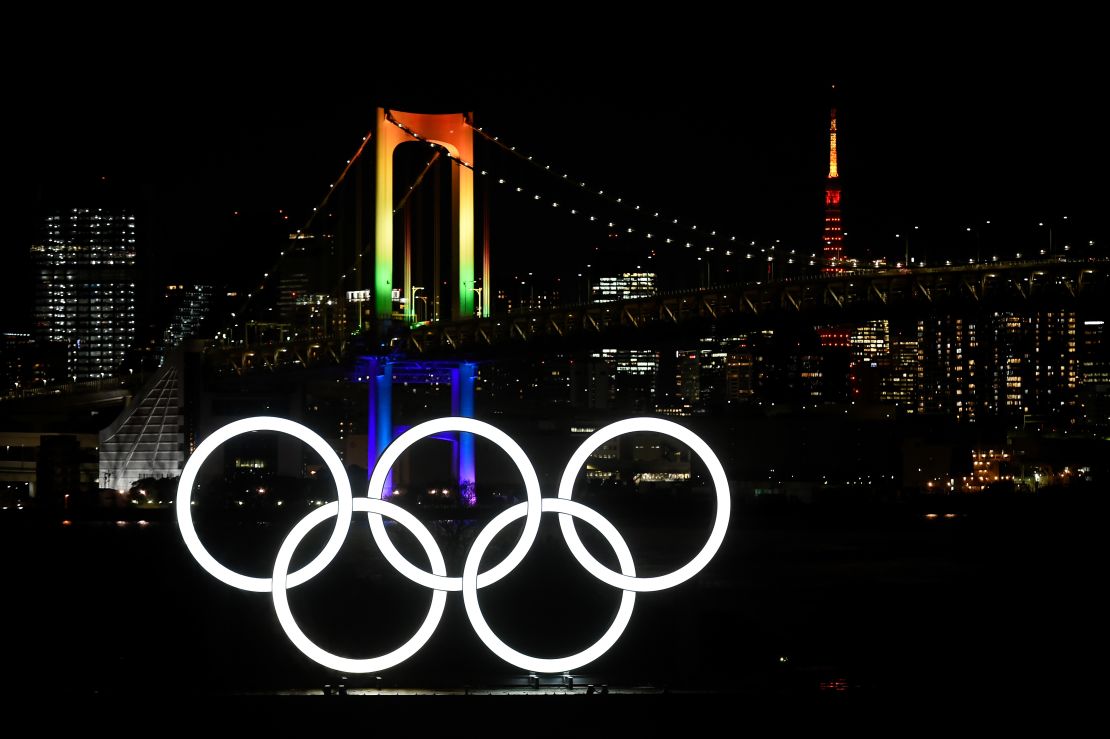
(380, 416)
(462, 404)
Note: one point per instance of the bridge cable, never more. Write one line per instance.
(307, 225)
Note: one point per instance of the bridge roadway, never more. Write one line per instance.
(825, 298)
(844, 297)
(86, 395)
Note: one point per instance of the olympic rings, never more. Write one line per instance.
(185, 495)
(716, 534)
(437, 580)
(497, 436)
(507, 653)
(306, 645)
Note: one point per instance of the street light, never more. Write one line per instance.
(706, 272)
(978, 242)
(906, 236)
(977, 230)
(1042, 225)
(412, 302)
(1048, 225)
(479, 305)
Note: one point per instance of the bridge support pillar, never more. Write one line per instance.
(451, 131)
(380, 417)
(382, 430)
(462, 404)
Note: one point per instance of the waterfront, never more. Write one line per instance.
(884, 600)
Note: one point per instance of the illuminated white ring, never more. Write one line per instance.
(509, 446)
(306, 645)
(185, 495)
(716, 534)
(470, 579)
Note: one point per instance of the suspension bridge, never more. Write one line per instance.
(400, 260)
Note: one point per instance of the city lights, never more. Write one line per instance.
(232, 322)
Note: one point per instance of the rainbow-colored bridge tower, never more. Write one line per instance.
(453, 132)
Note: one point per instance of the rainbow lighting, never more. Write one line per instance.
(453, 132)
(437, 580)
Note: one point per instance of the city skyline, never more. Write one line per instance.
(308, 281)
(936, 150)
(915, 458)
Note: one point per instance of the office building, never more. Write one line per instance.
(85, 295)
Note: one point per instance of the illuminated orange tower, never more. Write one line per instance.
(834, 233)
(451, 131)
(833, 337)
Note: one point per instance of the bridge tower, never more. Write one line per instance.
(833, 251)
(380, 372)
(453, 132)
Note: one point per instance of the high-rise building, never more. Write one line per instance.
(687, 377)
(809, 377)
(632, 376)
(702, 376)
(1005, 390)
(1094, 375)
(870, 360)
(191, 304)
(740, 375)
(533, 302)
(1094, 354)
(870, 340)
(948, 355)
(899, 384)
(999, 364)
(26, 363)
(304, 283)
(85, 296)
(625, 286)
(1036, 363)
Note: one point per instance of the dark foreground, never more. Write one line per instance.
(827, 607)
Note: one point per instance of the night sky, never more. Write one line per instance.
(941, 135)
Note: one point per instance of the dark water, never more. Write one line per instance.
(1001, 600)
